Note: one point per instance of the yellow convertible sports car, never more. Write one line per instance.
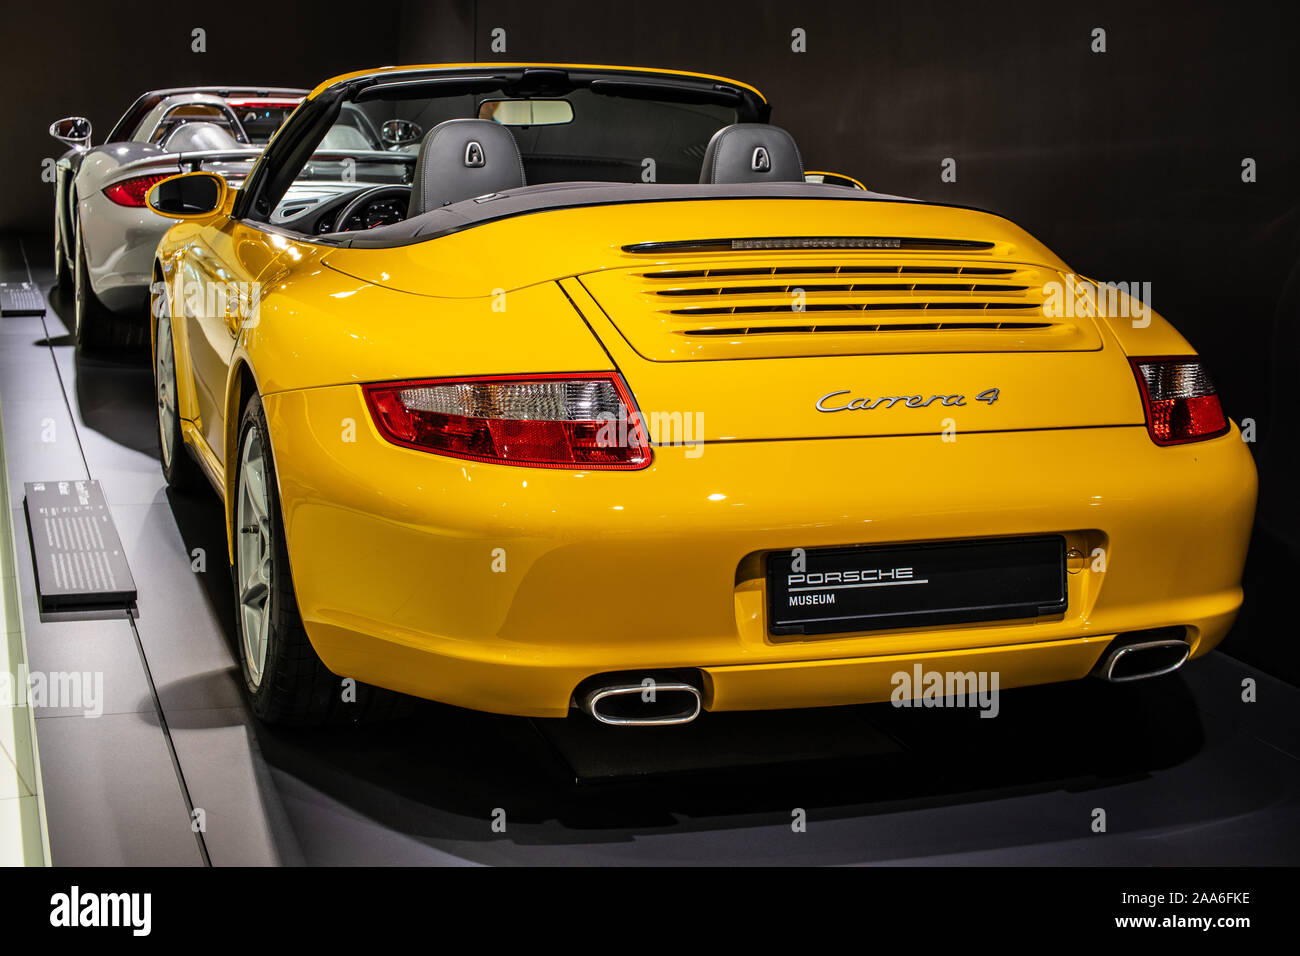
(529, 388)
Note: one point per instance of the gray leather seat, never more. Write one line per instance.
(461, 159)
(751, 153)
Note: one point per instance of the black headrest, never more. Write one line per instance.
(461, 159)
(751, 153)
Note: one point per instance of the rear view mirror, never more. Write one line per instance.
(72, 131)
(527, 112)
(397, 132)
(188, 196)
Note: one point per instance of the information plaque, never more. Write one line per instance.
(77, 554)
(21, 298)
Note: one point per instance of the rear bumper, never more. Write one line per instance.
(501, 588)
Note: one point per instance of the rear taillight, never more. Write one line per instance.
(131, 192)
(1181, 402)
(582, 421)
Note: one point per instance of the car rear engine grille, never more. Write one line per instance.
(966, 295)
(874, 270)
(808, 243)
(790, 304)
(857, 329)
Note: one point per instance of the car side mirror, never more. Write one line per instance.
(188, 196)
(833, 179)
(72, 131)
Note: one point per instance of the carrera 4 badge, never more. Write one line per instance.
(833, 402)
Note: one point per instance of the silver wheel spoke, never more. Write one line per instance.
(263, 636)
(257, 498)
(256, 590)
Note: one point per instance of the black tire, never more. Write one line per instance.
(294, 687)
(179, 468)
(95, 328)
(90, 320)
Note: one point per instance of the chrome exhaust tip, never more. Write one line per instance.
(1137, 659)
(657, 704)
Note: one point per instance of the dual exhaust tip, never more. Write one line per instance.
(649, 703)
(1135, 655)
(1141, 654)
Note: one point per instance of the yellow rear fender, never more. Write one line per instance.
(358, 332)
(1138, 328)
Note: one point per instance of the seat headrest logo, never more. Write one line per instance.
(474, 157)
(760, 162)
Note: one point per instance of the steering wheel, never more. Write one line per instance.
(365, 198)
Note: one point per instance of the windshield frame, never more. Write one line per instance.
(296, 141)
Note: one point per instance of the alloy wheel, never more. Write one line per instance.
(165, 387)
(254, 569)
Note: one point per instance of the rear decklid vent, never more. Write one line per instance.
(765, 310)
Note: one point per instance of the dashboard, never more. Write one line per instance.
(377, 212)
(317, 209)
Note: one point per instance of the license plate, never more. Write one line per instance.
(832, 590)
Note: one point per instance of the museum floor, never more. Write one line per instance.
(1185, 771)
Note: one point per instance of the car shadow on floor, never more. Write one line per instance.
(116, 399)
(114, 391)
(1050, 739)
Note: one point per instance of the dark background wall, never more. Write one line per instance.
(93, 59)
(1128, 163)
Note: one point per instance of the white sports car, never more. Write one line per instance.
(104, 235)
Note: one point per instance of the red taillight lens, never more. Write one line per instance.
(577, 421)
(1181, 402)
(131, 192)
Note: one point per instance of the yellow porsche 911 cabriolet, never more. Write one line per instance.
(529, 388)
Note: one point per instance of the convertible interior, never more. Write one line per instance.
(390, 177)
